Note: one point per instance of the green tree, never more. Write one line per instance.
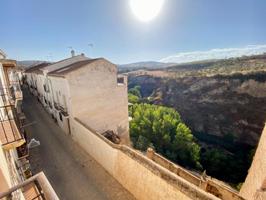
(133, 98)
(162, 128)
(135, 91)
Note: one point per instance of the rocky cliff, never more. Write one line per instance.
(219, 105)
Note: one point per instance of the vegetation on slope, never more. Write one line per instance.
(161, 128)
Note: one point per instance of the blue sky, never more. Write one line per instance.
(44, 29)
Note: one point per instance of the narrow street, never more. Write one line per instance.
(72, 172)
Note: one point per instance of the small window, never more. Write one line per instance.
(120, 80)
(50, 105)
(60, 116)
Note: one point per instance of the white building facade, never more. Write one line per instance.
(89, 89)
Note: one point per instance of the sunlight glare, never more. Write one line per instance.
(146, 10)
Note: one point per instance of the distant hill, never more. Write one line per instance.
(144, 65)
(27, 63)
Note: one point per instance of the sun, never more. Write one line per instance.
(146, 10)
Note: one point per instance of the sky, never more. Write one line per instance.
(46, 29)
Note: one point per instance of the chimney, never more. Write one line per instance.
(72, 53)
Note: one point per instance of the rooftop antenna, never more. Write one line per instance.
(72, 51)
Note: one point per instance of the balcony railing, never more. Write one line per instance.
(36, 187)
(10, 133)
(6, 97)
(23, 168)
(61, 109)
(15, 90)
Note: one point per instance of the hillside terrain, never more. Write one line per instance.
(143, 65)
(27, 63)
(223, 98)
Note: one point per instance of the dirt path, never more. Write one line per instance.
(72, 172)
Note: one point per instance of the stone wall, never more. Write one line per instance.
(255, 184)
(144, 178)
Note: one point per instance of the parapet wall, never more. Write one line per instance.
(206, 183)
(141, 176)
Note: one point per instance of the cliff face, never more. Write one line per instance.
(218, 105)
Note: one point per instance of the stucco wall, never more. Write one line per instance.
(4, 167)
(138, 174)
(98, 99)
(58, 91)
(253, 186)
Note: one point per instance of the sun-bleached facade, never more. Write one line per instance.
(86, 88)
(16, 180)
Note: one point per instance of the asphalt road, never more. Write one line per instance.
(72, 172)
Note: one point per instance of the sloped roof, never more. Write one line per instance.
(72, 67)
(63, 63)
(36, 68)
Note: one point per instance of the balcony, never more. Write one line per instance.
(36, 187)
(16, 95)
(10, 135)
(61, 109)
(11, 96)
(6, 98)
(23, 168)
(16, 92)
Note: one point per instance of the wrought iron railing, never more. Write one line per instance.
(23, 168)
(9, 122)
(60, 108)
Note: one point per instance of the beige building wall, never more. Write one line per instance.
(145, 179)
(4, 168)
(254, 188)
(9, 175)
(98, 99)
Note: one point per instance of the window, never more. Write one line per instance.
(60, 116)
(46, 88)
(120, 80)
(50, 105)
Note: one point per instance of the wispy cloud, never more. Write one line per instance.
(215, 54)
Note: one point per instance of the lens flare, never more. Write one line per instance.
(146, 10)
